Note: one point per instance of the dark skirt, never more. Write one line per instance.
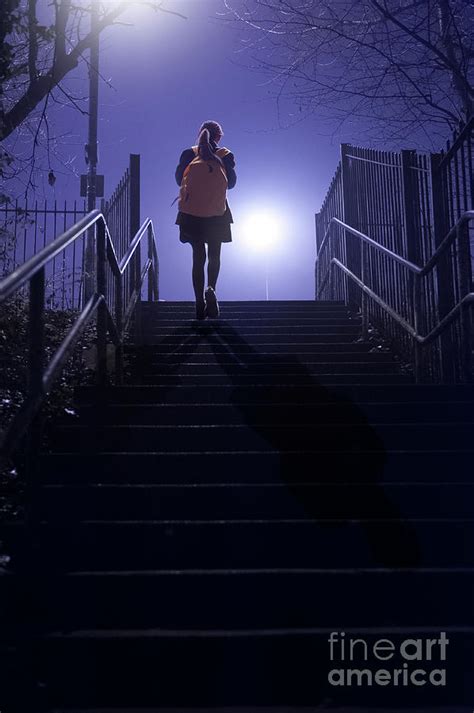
(193, 229)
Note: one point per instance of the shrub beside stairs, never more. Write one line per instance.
(260, 481)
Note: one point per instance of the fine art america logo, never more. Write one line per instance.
(409, 662)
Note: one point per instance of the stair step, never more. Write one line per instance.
(256, 467)
(229, 314)
(245, 319)
(249, 328)
(274, 436)
(250, 306)
(270, 304)
(203, 501)
(355, 377)
(252, 336)
(317, 412)
(301, 370)
(263, 345)
(263, 359)
(246, 599)
(261, 709)
(221, 393)
(325, 541)
(200, 668)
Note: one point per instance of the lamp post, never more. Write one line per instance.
(261, 232)
(91, 153)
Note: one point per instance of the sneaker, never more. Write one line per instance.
(211, 303)
(201, 310)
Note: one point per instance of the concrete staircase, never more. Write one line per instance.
(261, 481)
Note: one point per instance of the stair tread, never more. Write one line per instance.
(291, 571)
(264, 709)
(252, 633)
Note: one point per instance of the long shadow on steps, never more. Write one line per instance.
(393, 543)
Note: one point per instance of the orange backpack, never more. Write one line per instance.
(203, 189)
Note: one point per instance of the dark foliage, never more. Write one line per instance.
(13, 382)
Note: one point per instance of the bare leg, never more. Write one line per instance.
(199, 260)
(214, 264)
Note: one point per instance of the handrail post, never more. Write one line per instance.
(135, 278)
(445, 297)
(418, 352)
(138, 318)
(465, 280)
(364, 299)
(412, 245)
(134, 227)
(332, 282)
(102, 308)
(152, 268)
(316, 266)
(119, 325)
(351, 247)
(156, 269)
(35, 382)
(36, 333)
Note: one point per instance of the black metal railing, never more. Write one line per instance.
(26, 227)
(407, 203)
(453, 193)
(379, 295)
(113, 319)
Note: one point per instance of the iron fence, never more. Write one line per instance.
(26, 228)
(405, 202)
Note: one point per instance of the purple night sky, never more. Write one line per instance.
(165, 76)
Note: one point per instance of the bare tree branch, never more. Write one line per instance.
(40, 85)
(386, 62)
(33, 40)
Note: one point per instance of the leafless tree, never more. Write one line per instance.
(391, 66)
(36, 59)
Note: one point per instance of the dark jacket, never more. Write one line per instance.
(188, 155)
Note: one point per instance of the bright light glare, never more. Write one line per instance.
(261, 231)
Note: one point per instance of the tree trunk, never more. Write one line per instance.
(449, 45)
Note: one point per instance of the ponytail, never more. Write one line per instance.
(205, 150)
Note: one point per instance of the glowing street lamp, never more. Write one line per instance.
(261, 232)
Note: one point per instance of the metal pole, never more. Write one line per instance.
(465, 281)
(134, 216)
(36, 321)
(446, 293)
(102, 309)
(316, 266)
(91, 148)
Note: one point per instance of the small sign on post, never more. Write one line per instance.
(99, 186)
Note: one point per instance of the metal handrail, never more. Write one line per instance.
(41, 378)
(463, 303)
(362, 236)
(466, 301)
(420, 271)
(25, 272)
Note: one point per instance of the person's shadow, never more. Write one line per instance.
(295, 413)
